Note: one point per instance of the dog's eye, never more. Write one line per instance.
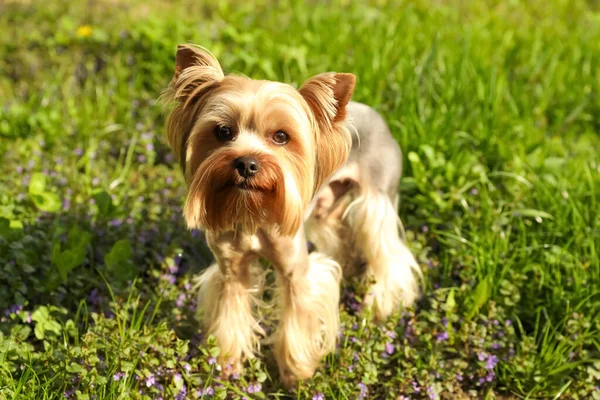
(223, 133)
(280, 137)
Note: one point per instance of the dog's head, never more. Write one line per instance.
(253, 152)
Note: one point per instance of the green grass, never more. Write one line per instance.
(497, 107)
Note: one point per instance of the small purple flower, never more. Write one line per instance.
(92, 201)
(212, 361)
(254, 388)
(118, 375)
(169, 180)
(481, 356)
(416, 387)
(424, 229)
(182, 393)
(115, 222)
(149, 147)
(508, 322)
(492, 360)
(459, 377)
(474, 191)
(389, 348)
(177, 377)
(318, 396)
(209, 391)
(19, 169)
(363, 391)
(78, 151)
(150, 381)
(180, 300)
(431, 392)
(30, 164)
(490, 376)
(391, 334)
(95, 181)
(442, 336)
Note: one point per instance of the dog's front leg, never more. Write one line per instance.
(308, 287)
(227, 294)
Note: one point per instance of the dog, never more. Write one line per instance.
(266, 166)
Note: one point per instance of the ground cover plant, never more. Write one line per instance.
(497, 107)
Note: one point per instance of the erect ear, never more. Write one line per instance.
(328, 95)
(190, 56)
(197, 73)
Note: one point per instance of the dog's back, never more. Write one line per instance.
(374, 149)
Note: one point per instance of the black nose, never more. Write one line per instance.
(246, 166)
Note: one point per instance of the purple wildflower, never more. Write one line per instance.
(474, 191)
(180, 300)
(118, 375)
(150, 381)
(431, 392)
(490, 376)
(19, 169)
(481, 356)
(254, 388)
(142, 158)
(363, 391)
(492, 360)
(95, 181)
(442, 336)
(389, 348)
(169, 180)
(78, 151)
(459, 377)
(508, 322)
(149, 147)
(212, 361)
(416, 387)
(182, 393)
(318, 396)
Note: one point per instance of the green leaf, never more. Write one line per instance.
(46, 201)
(103, 202)
(20, 332)
(37, 183)
(4, 227)
(75, 368)
(118, 261)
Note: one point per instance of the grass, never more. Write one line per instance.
(496, 105)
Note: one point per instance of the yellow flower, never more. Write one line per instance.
(84, 31)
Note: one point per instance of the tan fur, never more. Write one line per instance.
(360, 229)
(259, 215)
(249, 214)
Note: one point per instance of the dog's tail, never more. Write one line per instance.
(376, 226)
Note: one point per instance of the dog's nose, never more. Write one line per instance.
(246, 166)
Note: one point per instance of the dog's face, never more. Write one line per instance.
(253, 152)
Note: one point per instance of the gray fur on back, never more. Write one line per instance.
(374, 148)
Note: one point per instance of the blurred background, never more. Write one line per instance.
(495, 104)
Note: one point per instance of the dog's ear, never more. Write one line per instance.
(328, 95)
(190, 56)
(197, 74)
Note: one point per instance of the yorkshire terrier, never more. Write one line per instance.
(267, 165)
